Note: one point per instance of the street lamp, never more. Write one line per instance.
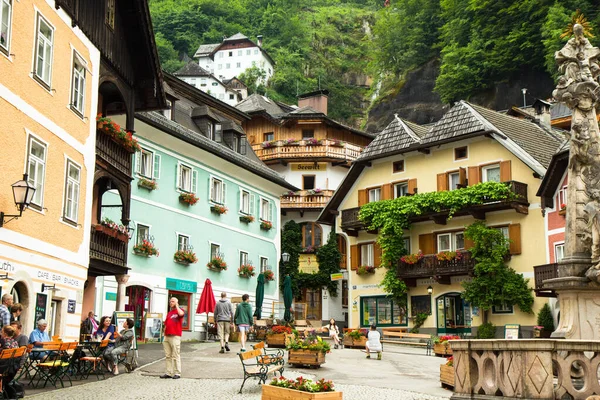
(430, 290)
(285, 257)
(22, 194)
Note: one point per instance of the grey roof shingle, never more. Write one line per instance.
(395, 137)
(458, 121)
(237, 36)
(213, 147)
(256, 103)
(192, 69)
(206, 49)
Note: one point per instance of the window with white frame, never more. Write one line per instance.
(217, 191)
(219, 66)
(238, 65)
(36, 168)
(240, 52)
(231, 54)
(143, 233)
(559, 252)
(562, 198)
(78, 84)
(490, 173)
(220, 54)
(202, 82)
(185, 178)
(453, 180)
(367, 255)
(400, 189)
(215, 250)
(264, 264)
(146, 163)
(374, 195)
(227, 65)
(5, 24)
(450, 241)
(243, 258)
(43, 51)
(210, 131)
(255, 51)
(246, 202)
(221, 96)
(72, 183)
(183, 242)
(265, 210)
(504, 230)
(248, 52)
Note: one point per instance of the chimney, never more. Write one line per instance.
(542, 113)
(259, 40)
(316, 100)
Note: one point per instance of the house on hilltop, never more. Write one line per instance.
(231, 91)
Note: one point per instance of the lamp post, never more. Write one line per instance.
(429, 290)
(285, 257)
(22, 194)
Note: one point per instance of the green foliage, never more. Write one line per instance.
(394, 287)
(328, 257)
(418, 322)
(314, 343)
(494, 283)
(252, 78)
(545, 319)
(356, 334)
(486, 330)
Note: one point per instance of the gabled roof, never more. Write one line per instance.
(394, 138)
(237, 36)
(211, 49)
(460, 120)
(192, 69)
(256, 103)
(206, 49)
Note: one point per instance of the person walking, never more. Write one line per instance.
(5, 315)
(224, 317)
(243, 319)
(172, 341)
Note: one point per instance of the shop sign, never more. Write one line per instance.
(7, 266)
(71, 306)
(309, 167)
(111, 296)
(337, 277)
(179, 285)
(308, 264)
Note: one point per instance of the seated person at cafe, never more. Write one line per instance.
(38, 337)
(122, 345)
(15, 311)
(105, 329)
(8, 368)
(21, 339)
(7, 338)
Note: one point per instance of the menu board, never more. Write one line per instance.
(511, 331)
(40, 306)
(119, 318)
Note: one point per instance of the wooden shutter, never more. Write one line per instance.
(505, 174)
(194, 181)
(473, 176)
(224, 192)
(362, 197)
(412, 186)
(377, 253)
(514, 234)
(138, 162)
(442, 182)
(354, 257)
(251, 209)
(156, 171)
(462, 176)
(386, 192)
(427, 243)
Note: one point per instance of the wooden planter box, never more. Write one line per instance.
(541, 333)
(277, 393)
(278, 339)
(306, 357)
(447, 376)
(442, 349)
(348, 341)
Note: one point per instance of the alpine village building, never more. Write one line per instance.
(468, 145)
(313, 152)
(63, 62)
(200, 197)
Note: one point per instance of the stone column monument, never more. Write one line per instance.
(577, 285)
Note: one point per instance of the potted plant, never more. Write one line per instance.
(279, 335)
(111, 228)
(310, 351)
(563, 209)
(412, 259)
(447, 373)
(268, 144)
(185, 257)
(246, 271)
(269, 275)
(188, 198)
(246, 218)
(355, 338)
(545, 323)
(448, 255)
(118, 135)
(337, 143)
(266, 225)
(290, 193)
(217, 263)
(145, 248)
(441, 346)
(301, 389)
(314, 192)
(218, 209)
(366, 269)
(145, 183)
(312, 142)
(291, 142)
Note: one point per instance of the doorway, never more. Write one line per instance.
(55, 314)
(139, 302)
(453, 314)
(312, 298)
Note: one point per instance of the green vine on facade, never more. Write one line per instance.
(328, 257)
(392, 217)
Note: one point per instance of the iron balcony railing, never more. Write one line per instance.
(429, 266)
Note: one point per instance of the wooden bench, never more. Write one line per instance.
(271, 356)
(259, 369)
(387, 334)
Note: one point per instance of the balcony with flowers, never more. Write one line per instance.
(333, 150)
(306, 199)
(440, 266)
(114, 144)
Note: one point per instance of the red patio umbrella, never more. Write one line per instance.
(207, 302)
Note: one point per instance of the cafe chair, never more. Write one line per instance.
(55, 370)
(93, 363)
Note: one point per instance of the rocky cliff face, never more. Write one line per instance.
(417, 102)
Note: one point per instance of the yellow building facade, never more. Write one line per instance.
(48, 97)
(406, 159)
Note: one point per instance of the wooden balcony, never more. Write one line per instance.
(351, 224)
(108, 255)
(541, 273)
(430, 267)
(327, 150)
(112, 154)
(306, 200)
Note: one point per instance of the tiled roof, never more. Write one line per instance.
(256, 103)
(199, 140)
(398, 135)
(305, 110)
(233, 126)
(204, 111)
(192, 69)
(237, 36)
(205, 49)
(458, 121)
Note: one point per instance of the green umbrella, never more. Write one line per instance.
(287, 298)
(260, 294)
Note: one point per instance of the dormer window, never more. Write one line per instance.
(167, 113)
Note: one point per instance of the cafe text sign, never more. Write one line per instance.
(309, 167)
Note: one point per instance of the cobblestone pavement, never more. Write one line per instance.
(404, 374)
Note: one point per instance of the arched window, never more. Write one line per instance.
(312, 235)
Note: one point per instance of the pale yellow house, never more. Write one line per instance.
(470, 144)
(48, 96)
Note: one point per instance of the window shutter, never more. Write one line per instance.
(138, 162)
(462, 176)
(505, 174)
(271, 212)
(178, 175)
(354, 257)
(377, 253)
(427, 243)
(156, 166)
(243, 146)
(194, 181)
(442, 182)
(362, 197)
(240, 201)
(412, 186)
(223, 192)
(514, 234)
(211, 195)
(386, 192)
(473, 176)
(251, 208)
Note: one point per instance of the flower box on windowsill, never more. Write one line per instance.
(189, 199)
(185, 257)
(562, 211)
(147, 184)
(269, 275)
(218, 209)
(107, 230)
(266, 225)
(246, 219)
(141, 253)
(145, 249)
